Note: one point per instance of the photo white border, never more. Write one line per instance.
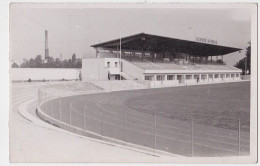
(254, 88)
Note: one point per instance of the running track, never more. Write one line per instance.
(129, 116)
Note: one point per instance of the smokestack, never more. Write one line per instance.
(46, 45)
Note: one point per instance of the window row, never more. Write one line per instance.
(108, 64)
(188, 77)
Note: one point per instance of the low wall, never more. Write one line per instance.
(85, 132)
(245, 77)
(36, 74)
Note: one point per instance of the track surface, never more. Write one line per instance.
(130, 116)
(32, 142)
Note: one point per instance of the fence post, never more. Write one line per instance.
(101, 122)
(155, 123)
(125, 126)
(60, 109)
(38, 97)
(238, 137)
(51, 114)
(84, 116)
(45, 106)
(70, 114)
(191, 136)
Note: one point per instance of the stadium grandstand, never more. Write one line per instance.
(160, 60)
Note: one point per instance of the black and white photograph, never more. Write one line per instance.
(133, 82)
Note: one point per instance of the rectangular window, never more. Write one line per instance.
(108, 64)
(170, 77)
(221, 75)
(188, 77)
(178, 77)
(116, 64)
(159, 77)
(237, 75)
(148, 78)
(227, 75)
(196, 76)
(210, 75)
(203, 77)
(232, 75)
(216, 75)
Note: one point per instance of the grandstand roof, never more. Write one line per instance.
(148, 42)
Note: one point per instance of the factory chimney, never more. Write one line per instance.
(46, 45)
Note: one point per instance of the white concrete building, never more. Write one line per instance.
(174, 62)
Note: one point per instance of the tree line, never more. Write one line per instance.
(50, 62)
(74, 62)
(241, 63)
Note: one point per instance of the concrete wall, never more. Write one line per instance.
(23, 74)
(112, 67)
(97, 68)
(94, 69)
(156, 83)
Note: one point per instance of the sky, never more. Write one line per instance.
(73, 28)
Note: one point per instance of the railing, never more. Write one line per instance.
(189, 134)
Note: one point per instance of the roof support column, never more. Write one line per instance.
(122, 53)
(96, 52)
(130, 55)
(171, 56)
(152, 56)
(162, 56)
(142, 55)
(116, 51)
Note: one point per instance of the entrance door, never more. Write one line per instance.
(180, 79)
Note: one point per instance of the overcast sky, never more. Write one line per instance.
(73, 28)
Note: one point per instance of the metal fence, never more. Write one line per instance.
(187, 134)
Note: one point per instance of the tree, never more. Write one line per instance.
(248, 57)
(50, 62)
(70, 63)
(58, 63)
(79, 63)
(32, 63)
(73, 60)
(241, 63)
(24, 64)
(15, 65)
(38, 61)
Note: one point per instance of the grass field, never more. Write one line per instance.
(190, 121)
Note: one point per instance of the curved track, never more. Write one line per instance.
(32, 140)
(130, 116)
